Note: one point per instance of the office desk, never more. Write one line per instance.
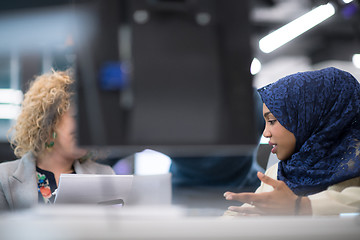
(86, 222)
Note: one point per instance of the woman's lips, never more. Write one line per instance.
(274, 149)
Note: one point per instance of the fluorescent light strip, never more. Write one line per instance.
(8, 111)
(11, 96)
(295, 28)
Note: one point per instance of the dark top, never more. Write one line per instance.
(46, 185)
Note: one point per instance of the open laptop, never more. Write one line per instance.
(114, 189)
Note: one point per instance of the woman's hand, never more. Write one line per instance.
(281, 201)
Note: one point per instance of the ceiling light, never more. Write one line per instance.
(356, 60)
(255, 66)
(295, 28)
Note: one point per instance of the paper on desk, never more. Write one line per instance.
(92, 188)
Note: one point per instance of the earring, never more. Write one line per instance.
(52, 143)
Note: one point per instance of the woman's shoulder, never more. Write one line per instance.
(92, 167)
(101, 167)
(9, 164)
(17, 167)
(8, 167)
(353, 182)
(272, 171)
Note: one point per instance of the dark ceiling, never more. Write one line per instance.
(337, 38)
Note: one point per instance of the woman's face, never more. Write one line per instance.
(65, 142)
(282, 140)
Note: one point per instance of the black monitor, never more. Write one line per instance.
(168, 75)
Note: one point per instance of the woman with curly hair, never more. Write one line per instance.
(44, 140)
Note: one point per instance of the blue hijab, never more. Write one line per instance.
(322, 109)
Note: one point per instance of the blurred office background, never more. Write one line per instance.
(38, 35)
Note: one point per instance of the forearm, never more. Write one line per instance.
(333, 203)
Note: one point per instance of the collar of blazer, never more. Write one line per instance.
(26, 168)
(22, 183)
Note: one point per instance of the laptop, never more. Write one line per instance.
(123, 190)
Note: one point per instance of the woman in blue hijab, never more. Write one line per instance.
(313, 123)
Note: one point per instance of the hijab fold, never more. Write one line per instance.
(322, 109)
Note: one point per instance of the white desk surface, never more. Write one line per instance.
(95, 222)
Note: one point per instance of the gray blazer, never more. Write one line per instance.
(18, 184)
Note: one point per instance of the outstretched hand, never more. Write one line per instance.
(281, 201)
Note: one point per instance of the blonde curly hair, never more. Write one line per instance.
(47, 99)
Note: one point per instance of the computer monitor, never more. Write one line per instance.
(168, 75)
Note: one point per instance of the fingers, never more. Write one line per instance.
(246, 210)
(227, 194)
(257, 199)
(250, 198)
(268, 180)
(279, 201)
(241, 197)
(234, 208)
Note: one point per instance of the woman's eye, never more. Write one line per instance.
(271, 122)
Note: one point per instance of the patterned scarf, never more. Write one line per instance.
(322, 109)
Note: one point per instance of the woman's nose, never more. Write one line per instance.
(266, 133)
